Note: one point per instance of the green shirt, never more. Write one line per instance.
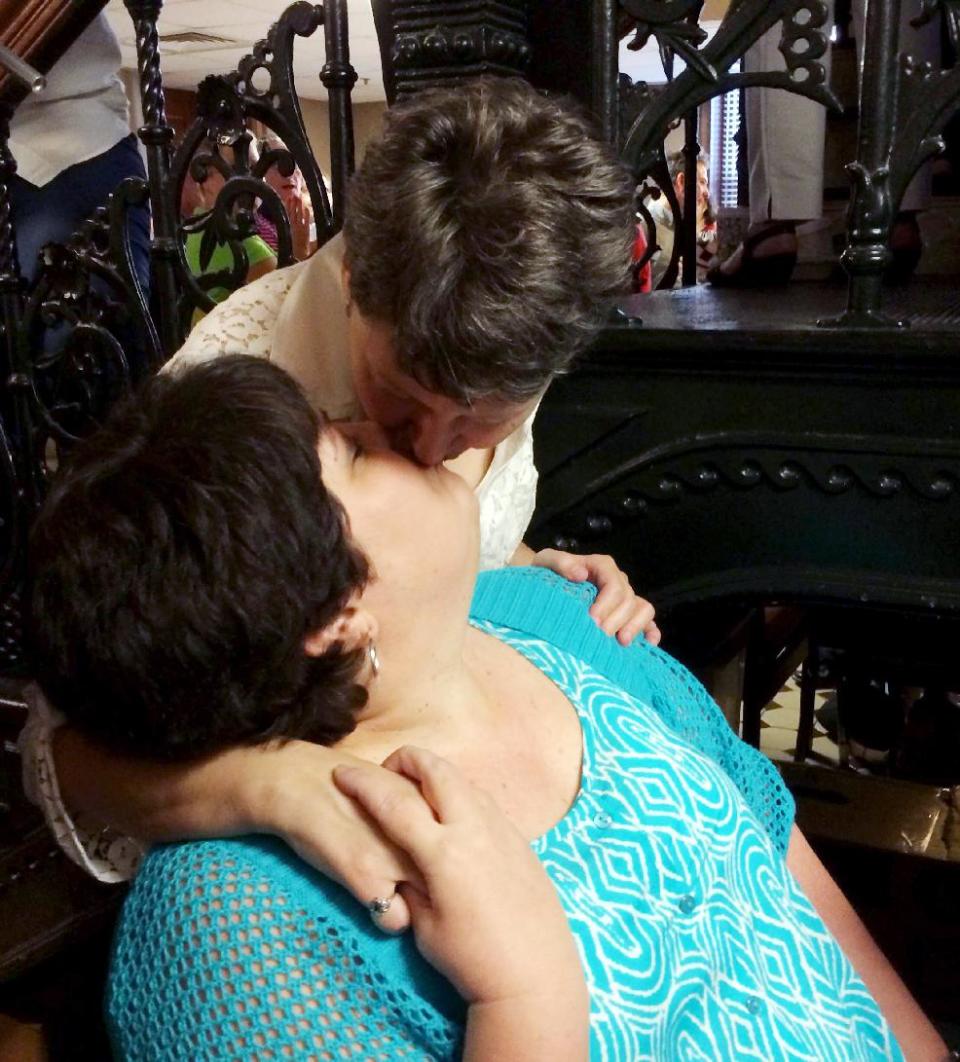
(222, 260)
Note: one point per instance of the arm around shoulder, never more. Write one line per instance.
(282, 789)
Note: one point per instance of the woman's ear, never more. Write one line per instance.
(354, 628)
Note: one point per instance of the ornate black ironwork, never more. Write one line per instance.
(673, 24)
(262, 89)
(676, 30)
(440, 43)
(65, 361)
(16, 496)
(703, 489)
(707, 73)
(157, 136)
(65, 343)
(905, 105)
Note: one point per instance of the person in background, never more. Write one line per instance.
(662, 215)
(73, 146)
(200, 196)
(296, 202)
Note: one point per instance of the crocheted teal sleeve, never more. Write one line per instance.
(237, 950)
(539, 602)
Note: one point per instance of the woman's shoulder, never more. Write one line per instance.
(527, 588)
(538, 602)
(211, 928)
(204, 871)
(242, 323)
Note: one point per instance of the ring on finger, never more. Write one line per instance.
(379, 906)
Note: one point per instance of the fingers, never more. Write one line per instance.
(653, 634)
(408, 798)
(393, 801)
(353, 851)
(639, 620)
(442, 786)
(569, 565)
(614, 604)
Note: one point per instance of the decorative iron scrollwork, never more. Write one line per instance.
(261, 89)
(673, 24)
(707, 72)
(64, 355)
(85, 313)
(433, 44)
(688, 472)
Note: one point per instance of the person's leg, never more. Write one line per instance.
(785, 139)
(785, 134)
(38, 218)
(124, 160)
(52, 214)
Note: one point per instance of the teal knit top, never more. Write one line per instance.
(670, 864)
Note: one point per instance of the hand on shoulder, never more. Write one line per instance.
(618, 610)
(487, 916)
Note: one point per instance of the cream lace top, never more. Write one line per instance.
(276, 317)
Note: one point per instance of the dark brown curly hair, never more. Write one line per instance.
(182, 556)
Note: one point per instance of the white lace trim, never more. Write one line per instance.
(99, 850)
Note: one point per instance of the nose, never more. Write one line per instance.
(432, 440)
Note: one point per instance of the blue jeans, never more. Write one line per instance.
(52, 214)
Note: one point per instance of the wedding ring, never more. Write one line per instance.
(379, 906)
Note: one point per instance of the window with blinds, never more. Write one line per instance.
(724, 124)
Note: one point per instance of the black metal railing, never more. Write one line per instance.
(66, 340)
(48, 396)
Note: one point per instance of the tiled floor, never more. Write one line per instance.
(778, 727)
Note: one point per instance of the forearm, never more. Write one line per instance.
(530, 1029)
(285, 789)
(157, 801)
(917, 1037)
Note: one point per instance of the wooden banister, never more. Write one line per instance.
(39, 32)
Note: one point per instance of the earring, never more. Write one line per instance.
(374, 658)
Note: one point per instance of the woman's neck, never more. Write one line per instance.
(492, 714)
(424, 697)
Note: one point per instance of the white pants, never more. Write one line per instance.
(785, 132)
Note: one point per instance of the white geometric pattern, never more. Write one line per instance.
(697, 941)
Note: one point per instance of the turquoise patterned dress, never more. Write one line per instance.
(696, 941)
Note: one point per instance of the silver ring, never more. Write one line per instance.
(379, 906)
